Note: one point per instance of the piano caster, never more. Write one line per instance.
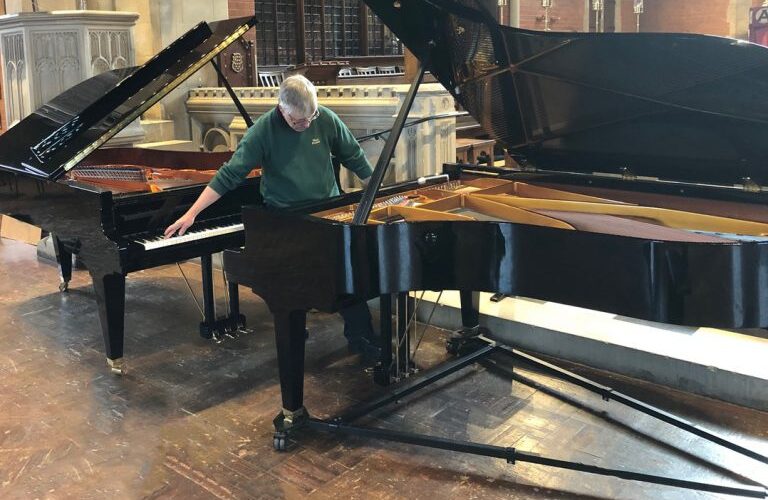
(116, 366)
(285, 423)
(280, 442)
(466, 340)
(64, 286)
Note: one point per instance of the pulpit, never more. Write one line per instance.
(45, 53)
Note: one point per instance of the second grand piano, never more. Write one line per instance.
(641, 191)
(110, 206)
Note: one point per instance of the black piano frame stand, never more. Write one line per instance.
(476, 348)
(110, 296)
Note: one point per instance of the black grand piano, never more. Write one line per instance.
(111, 205)
(640, 191)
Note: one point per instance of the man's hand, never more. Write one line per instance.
(180, 225)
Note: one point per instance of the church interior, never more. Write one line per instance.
(558, 242)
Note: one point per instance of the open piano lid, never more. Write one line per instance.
(678, 107)
(58, 135)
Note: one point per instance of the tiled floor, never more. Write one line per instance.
(192, 418)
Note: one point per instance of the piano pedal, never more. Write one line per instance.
(224, 327)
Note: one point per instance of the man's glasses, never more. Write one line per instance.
(293, 122)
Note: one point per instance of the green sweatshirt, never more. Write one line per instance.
(296, 166)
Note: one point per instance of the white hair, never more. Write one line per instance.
(298, 96)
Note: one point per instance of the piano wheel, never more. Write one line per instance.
(64, 286)
(116, 366)
(280, 441)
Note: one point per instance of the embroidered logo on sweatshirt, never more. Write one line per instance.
(315, 141)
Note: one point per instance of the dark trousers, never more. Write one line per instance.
(357, 321)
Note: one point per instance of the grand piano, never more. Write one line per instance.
(110, 205)
(640, 192)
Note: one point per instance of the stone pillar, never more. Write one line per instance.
(169, 20)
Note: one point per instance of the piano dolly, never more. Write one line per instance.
(287, 423)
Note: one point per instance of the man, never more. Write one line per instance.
(293, 144)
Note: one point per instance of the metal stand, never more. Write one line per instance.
(343, 424)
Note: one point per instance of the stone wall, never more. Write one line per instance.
(365, 109)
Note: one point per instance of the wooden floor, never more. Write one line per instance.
(192, 418)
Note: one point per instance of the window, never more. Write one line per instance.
(332, 28)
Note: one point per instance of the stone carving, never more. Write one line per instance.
(56, 63)
(14, 76)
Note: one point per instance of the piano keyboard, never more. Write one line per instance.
(161, 242)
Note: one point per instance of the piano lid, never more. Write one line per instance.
(58, 135)
(680, 107)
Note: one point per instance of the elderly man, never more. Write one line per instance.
(293, 143)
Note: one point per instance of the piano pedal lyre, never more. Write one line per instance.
(224, 327)
(116, 366)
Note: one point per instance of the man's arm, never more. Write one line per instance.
(247, 156)
(349, 152)
(206, 198)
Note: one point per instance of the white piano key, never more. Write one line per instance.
(160, 242)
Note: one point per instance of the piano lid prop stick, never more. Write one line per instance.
(238, 104)
(369, 195)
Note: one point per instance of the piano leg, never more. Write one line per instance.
(289, 336)
(465, 340)
(382, 373)
(64, 258)
(110, 298)
(404, 310)
(208, 326)
(236, 321)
